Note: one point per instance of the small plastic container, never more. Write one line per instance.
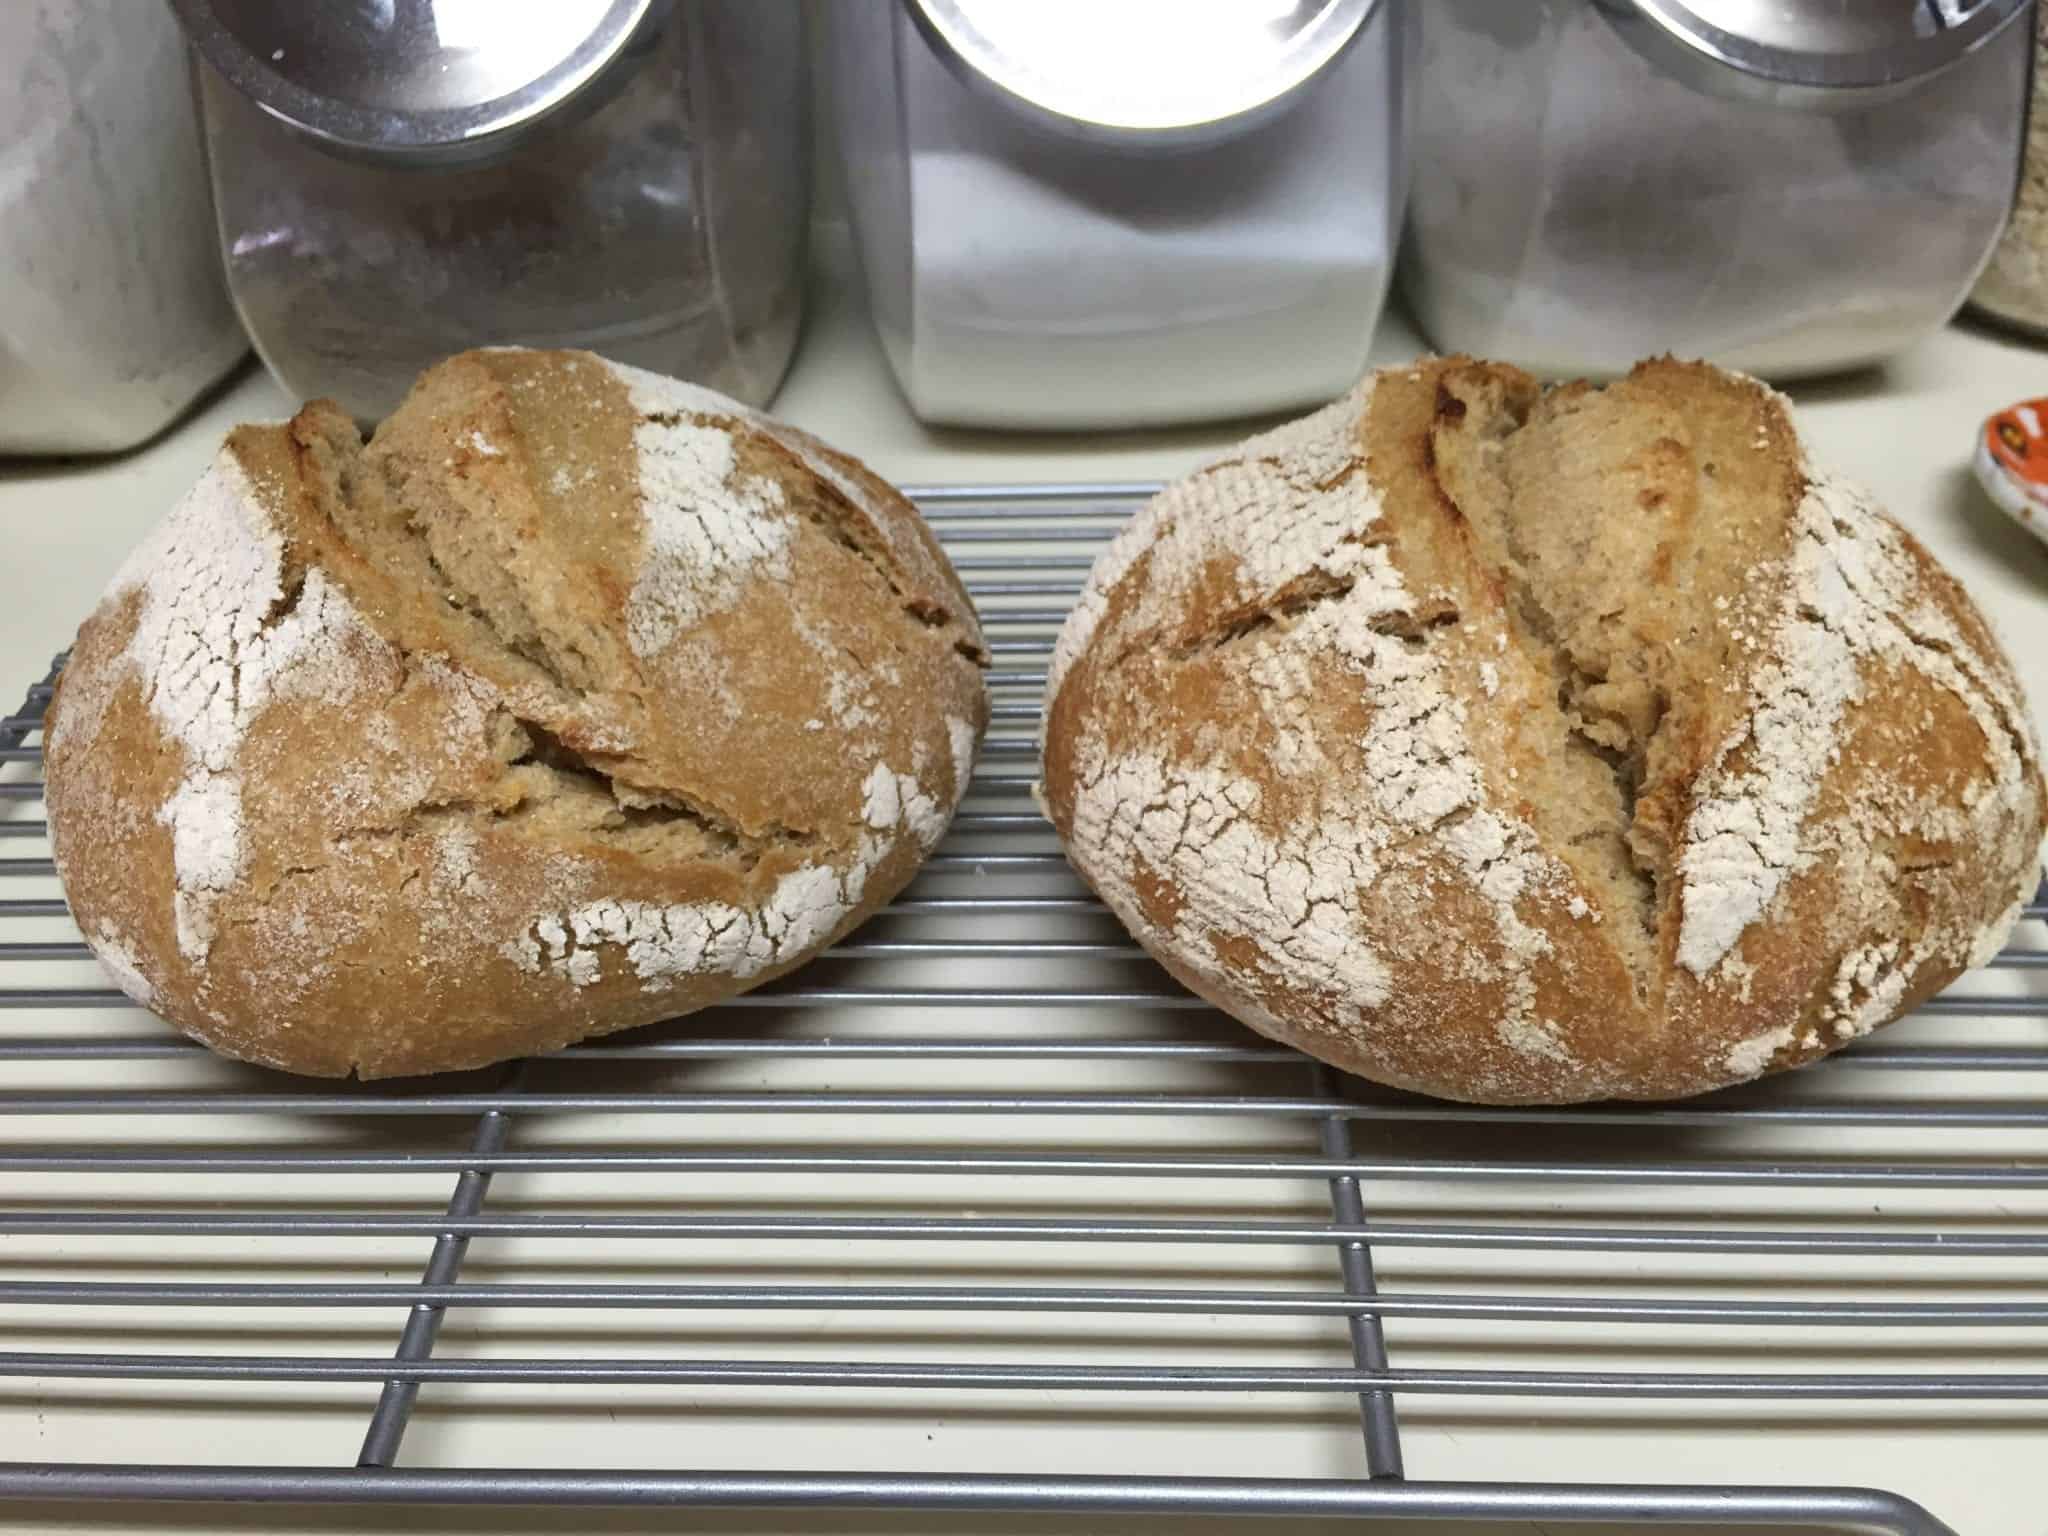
(2011, 464)
(399, 183)
(113, 314)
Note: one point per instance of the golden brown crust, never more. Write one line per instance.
(574, 700)
(1517, 746)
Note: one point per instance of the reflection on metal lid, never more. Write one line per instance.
(1809, 52)
(412, 79)
(1834, 26)
(1145, 67)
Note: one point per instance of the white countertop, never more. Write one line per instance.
(1906, 430)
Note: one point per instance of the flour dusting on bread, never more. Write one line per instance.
(960, 741)
(217, 634)
(1748, 1058)
(665, 942)
(1293, 899)
(494, 731)
(117, 957)
(1853, 597)
(709, 529)
(1291, 516)
(1540, 746)
(1289, 482)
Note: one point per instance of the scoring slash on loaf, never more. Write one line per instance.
(1526, 746)
(575, 699)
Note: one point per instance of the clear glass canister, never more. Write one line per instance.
(1601, 180)
(113, 316)
(451, 174)
(2014, 287)
(1083, 214)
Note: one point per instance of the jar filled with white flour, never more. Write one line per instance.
(113, 315)
(1788, 189)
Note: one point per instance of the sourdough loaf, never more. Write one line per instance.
(574, 699)
(1524, 746)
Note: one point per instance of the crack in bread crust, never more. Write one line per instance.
(371, 720)
(1605, 749)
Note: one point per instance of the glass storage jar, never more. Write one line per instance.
(1789, 188)
(113, 316)
(1105, 213)
(401, 180)
(2014, 288)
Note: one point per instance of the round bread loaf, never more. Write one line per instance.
(1534, 747)
(574, 699)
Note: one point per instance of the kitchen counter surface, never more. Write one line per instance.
(1905, 429)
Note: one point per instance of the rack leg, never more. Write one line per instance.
(1368, 1338)
(423, 1323)
(16, 727)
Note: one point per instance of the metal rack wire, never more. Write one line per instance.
(1001, 1035)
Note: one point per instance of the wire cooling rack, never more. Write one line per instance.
(984, 1198)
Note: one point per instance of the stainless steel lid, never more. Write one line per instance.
(414, 81)
(1819, 53)
(1143, 70)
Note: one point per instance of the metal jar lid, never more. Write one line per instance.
(1139, 71)
(414, 81)
(1809, 53)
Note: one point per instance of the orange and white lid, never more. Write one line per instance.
(2011, 462)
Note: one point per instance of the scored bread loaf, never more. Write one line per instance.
(1524, 746)
(574, 699)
